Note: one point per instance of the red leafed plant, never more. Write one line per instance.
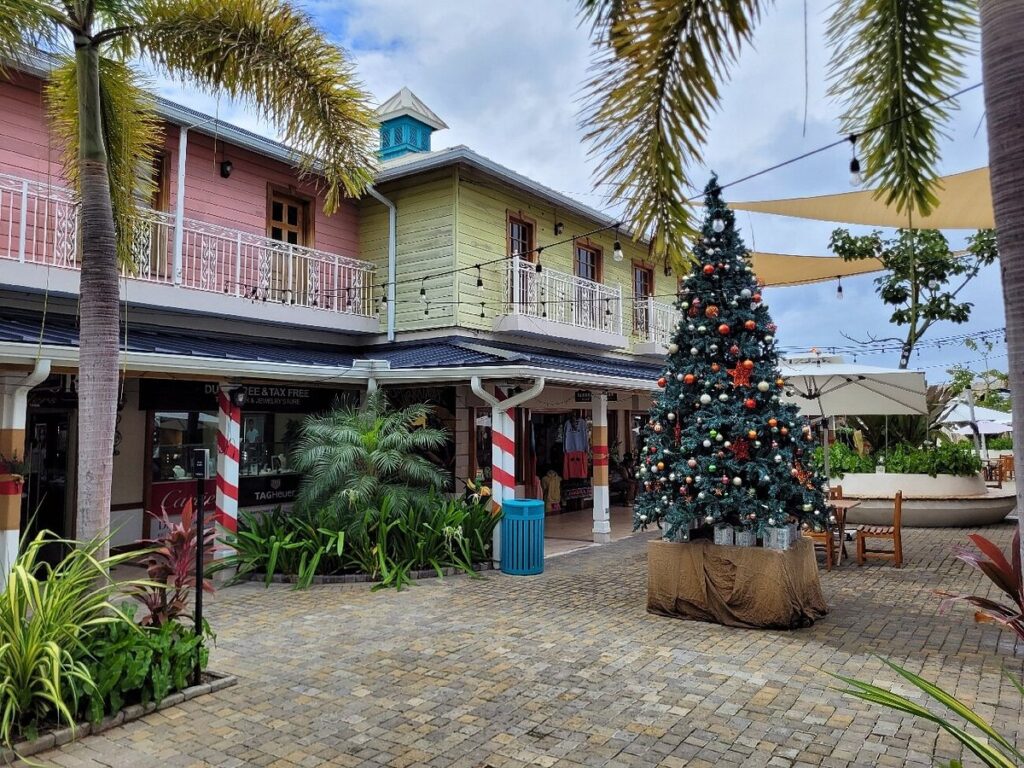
(1005, 574)
(171, 565)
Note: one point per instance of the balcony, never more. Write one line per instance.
(220, 271)
(653, 326)
(552, 304)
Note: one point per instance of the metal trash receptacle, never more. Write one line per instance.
(522, 537)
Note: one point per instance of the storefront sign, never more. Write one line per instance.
(60, 390)
(586, 396)
(260, 490)
(164, 395)
(171, 497)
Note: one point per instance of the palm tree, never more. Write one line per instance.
(265, 52)
(660, 64)
(353, 456)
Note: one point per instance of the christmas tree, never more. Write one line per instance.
(721, 448)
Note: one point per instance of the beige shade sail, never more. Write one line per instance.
(783, 269)
(965, 202)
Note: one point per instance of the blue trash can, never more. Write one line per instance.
(522, 537)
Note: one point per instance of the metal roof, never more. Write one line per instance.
(24, 329)
(405, 102)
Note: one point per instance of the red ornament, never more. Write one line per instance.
(756, 298)
(784, 430)
(750, 403)
(750, 325)
(773, 422)
(662, 382)
(689, 378)
(748, 364)
(693, 310)
(741, 449)
(724, 329)
(711, 311)
(734, 350)
(715, 367)
(740, 376)
(709, 269)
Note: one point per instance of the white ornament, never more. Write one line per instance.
(672, 476)
(778, 459)
(691, 327)
(643, 518)
(718, 225)
(745, 293)
(723, 397)
(762, 386)
(671, 416)
(707, 443)
(693, 350)
(684, 304)
(709, 519)
(769, 339)
(808, 507)
(719, 437)
(673, 348)
(705, 399)
(737, 481)
(700, 495)
(771, 521)
(727, 444)
(679, 377)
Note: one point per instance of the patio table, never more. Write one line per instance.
(840, 506)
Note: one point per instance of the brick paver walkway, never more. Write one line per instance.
(568, 669)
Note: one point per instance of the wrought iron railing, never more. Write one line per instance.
(654, 321)
(562, 298)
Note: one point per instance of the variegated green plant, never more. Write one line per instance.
(46, 613)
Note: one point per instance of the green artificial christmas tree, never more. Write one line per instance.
(721, 448)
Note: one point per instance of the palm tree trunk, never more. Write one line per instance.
(1002, 40)
(98, 309)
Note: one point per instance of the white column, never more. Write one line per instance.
(599, 447)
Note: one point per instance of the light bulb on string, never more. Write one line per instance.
(617, 254)
(479, 277)
(855, 178)
(839, 288)
(423, 290)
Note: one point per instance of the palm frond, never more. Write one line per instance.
(131, 133)
(890, 60)
(24, 25)
(269, 54)
(657, 73)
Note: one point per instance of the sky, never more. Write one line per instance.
(507, 78)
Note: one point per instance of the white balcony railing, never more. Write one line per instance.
(653, 321)
(562, 298)
(39, 225)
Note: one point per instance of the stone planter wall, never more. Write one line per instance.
(61, 736)
(883, 485)
(364, 578)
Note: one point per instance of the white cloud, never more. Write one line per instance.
(507, 76)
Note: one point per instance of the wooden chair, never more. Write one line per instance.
(892, 532)
(1006, 467)
(826, 539)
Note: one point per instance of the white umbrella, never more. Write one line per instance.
(828, 386)
(960, 413)
(984, 428)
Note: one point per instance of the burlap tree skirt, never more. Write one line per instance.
(737, 586)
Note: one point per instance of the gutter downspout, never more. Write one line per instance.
(392, 256)
(179, 204)
(502, 458)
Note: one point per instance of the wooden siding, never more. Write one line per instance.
(238, 202)
(483, 206)
(426, 208)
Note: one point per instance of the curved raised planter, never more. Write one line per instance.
(943, 501)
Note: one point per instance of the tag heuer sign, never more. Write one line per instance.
(584, 396)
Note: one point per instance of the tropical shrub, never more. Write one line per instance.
(387, 540)
(1000, 443)
(1006, 574)
(46, 616)
(995, 750)
(946, 458)
(352, 456)
(131, 664)
(171, 566)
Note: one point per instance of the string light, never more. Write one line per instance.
(839, 288)
(855, 178)
(479, 278)
(617, 254)
(423, 291)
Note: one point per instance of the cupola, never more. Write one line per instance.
(406, 124)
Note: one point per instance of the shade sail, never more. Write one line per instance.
(827, 386)
(965, 202)
(783, 269)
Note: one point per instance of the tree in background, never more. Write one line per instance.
(265, 52)
(920, 270)
(990, 385)
(720, 446)
(660, 64)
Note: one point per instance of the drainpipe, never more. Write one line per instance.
(179, 204)
(503, 448)
(392, 256)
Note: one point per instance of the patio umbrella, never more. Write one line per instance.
(827, 386)
(984, 428)
(959, 412)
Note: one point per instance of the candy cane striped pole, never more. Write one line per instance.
(503, 456)
(229, 440)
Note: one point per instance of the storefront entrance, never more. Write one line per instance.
(46, 499)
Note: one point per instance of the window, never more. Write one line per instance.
(288, 218)
(587, 263)
(643, 286)
(520, 238)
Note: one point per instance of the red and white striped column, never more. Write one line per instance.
(503, 456)
(229, 440)
(602, 505)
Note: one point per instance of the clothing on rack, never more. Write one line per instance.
(575, 435)
(574, 465)
(552, 485)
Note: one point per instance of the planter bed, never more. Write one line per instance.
(365, 578)
(61, 736)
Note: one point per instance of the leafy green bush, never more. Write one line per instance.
(46, 616)
(1000, 443)
(386, 540)
(944, 459)
(132, 664)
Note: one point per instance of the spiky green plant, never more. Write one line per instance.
(352, 456)
(267, 53)
(46, 612)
